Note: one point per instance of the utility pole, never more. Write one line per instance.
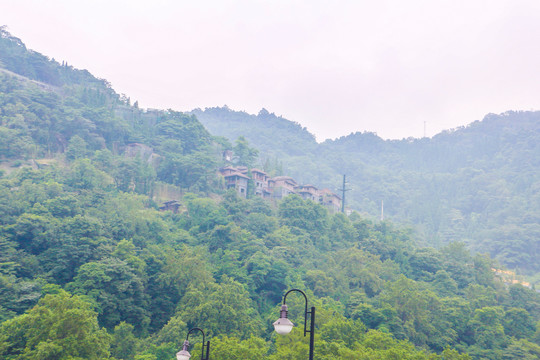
(343, 190)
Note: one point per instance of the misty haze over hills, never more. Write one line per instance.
(478, 184)
(117, 235)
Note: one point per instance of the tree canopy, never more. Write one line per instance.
(93, 266)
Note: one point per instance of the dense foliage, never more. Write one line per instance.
(90, 268)
(224, 266)
(478, 184)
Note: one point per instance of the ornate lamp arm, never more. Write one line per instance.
(203, 344)
(311, 330)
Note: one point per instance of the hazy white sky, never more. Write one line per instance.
(335, 67)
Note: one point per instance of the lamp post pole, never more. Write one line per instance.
(283, 325)
(184, 353)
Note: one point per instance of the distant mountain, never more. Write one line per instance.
(90, 258)
(478, 184)
(265, 129)
(17, 58)
(51, 110)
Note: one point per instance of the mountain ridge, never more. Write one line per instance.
(475, 183)
(91, 267)
(499, 154)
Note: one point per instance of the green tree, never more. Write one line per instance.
(77, 148)
(182, 270)
(420, 313)
(260, 224)
(368, 315)
(174, 332)
(204, 213)
(184, 128)
(116, 289)
(488, 329)
(443, 284)
(222, 309)
(33, 232)
(124, 343)
(306, 215)
(83, 175)
(59, 327)
(320, 283)
(518, 323)
(245, 154)
(522, 350)
(424, 263)
(522, 297)
(232, 348)
(342, 330)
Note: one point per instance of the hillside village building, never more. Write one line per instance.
(171, 205)
(236, 178)
(276, 188)
(281, 186)
(260, 180)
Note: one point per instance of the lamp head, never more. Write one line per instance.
(283, 326)
(184, 353)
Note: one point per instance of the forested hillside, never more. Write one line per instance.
(477, 184)
(265, 128)
(92, 268)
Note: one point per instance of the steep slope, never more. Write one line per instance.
(273, 135)
(54, 111)
(89, 259)
(17, 58)
(477, 184)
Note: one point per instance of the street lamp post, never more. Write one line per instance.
(283, 325)
(184, 353)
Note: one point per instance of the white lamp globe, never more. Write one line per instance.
(283, 326)
(183, 355)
